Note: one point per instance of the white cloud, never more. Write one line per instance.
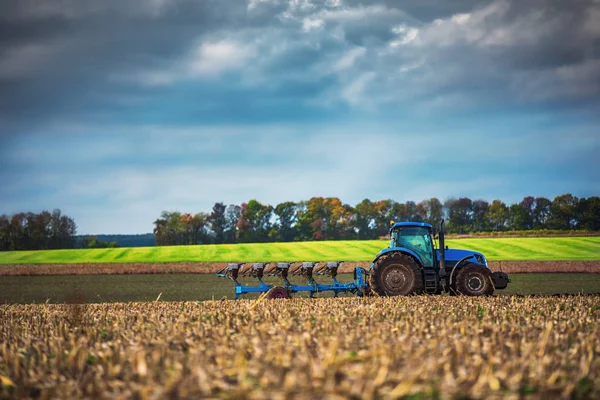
(209, 59)
(214, 58)
(405, 35)
(419, 64)
(354, 92)
(252, 4)
(349, 58)
(311, 24)
(461, 19)
(333, 3)
(348, 14)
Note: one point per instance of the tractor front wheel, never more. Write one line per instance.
(278, 292)
(396, 275)
(474, 280)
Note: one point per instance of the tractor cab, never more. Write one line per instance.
(415, 237)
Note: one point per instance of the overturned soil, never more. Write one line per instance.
(511, 267)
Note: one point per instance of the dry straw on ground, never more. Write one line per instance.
(423, 347)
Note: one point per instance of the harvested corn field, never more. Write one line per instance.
(370, 348)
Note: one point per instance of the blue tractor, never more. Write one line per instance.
(412, 265)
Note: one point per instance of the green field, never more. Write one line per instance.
(551, 248)
(199, 287)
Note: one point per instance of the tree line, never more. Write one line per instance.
(320, 218)
(328, 218)
(31, 231)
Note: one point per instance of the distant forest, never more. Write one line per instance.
(320, 218)
(330, 219)
(31, 231)
(102, 241)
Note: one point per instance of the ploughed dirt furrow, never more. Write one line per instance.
(511, 267)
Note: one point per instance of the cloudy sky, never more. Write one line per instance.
(116, 110)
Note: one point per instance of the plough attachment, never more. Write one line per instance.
(283, 270)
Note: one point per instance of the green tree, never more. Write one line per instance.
(589, 213)
(169, 230)
(382, 219)
(460, 215)
(341, 223)
(434, 210)
(199, 229)
(218, 222)
(4, 233)
(254, 224)
(481, 219)
(541, 212)
(398, 212)
(31, 231)
(92, 242)
(232, 217)
(518, 217)
(498, 215)
(62, 231)
(528, 205)
(366, 215)
(325, 219)
(563, 211)
(286, 213)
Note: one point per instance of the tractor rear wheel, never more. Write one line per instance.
(396, 275)
(278, 292)
(474, 280)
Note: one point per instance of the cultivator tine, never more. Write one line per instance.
(245, 270)
(283, 268)
(319, 269)
(332, 268)
(271, 269)
(329, 268)
(258, 270)
(232, 270)
(295, 270)
(305, 269)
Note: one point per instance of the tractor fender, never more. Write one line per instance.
(461, 263)
(402, 250)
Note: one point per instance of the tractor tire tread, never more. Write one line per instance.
(382, 263)
(472, 269)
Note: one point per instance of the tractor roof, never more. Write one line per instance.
(413, 224)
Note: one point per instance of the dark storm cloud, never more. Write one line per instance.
(61, 57)
(82, 60)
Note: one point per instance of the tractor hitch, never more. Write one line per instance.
(500, 280)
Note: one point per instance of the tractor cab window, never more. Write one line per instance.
(416, 239)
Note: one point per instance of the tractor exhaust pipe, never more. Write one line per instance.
(442, 249)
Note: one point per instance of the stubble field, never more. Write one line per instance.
(414, 347)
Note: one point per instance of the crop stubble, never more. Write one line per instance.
(370, 348)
